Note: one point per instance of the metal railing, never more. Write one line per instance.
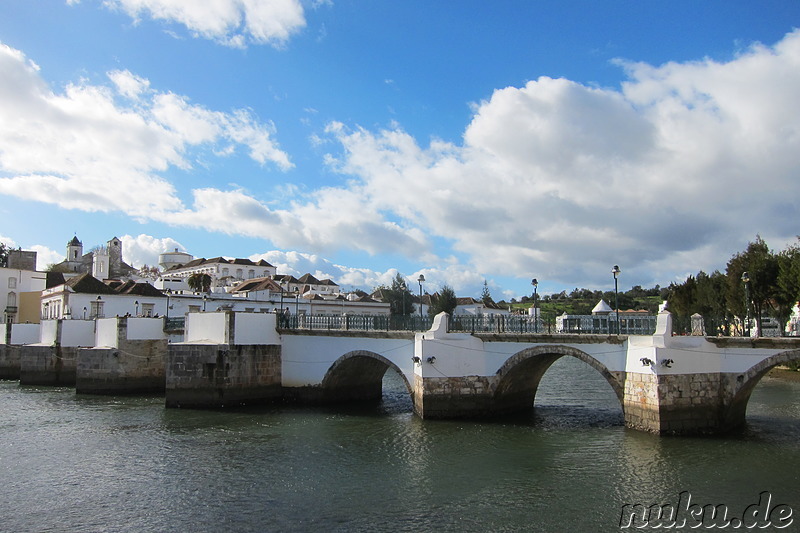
(355, 322)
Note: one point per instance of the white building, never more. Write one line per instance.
(20, 287)
(85, 297)
(223, 272)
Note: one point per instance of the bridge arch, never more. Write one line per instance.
(358, 376)
(747, 381)
(519, 377)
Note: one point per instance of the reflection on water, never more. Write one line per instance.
(75, 463)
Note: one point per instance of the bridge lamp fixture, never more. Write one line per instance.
(421, 280)
(535, 283)
(746, 281)
(431, 360)
(667, 363)
(646, 361)
(416, 360)
(616, 272)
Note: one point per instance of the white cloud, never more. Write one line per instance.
(683, 164)
(560, 180)
(82, 149)
(144, 249)
(233, 23)
(45, 256)
(462, 280)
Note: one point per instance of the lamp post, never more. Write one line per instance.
(99, 300)
(167, 293)
(420, 279)
(136, 308)
(616, 272)
(535, 284)
(84, 313)
(205, 298)
(746, 281)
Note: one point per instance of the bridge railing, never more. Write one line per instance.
(347, 322)
(514, 324)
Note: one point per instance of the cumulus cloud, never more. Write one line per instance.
(350, 278)
(682, 164)
(561, 180)
(144, 249)
(45, 256)
(78, 149)
(235, 23)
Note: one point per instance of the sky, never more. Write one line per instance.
(467, 141)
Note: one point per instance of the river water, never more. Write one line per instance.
(119, 464)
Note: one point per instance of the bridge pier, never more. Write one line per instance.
(681, 403)
(53, 360)
(129, 358)
(229, 359)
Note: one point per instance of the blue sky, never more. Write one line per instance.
(493, 141)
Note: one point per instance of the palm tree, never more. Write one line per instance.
(199, 282)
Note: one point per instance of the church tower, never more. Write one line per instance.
(74, 251)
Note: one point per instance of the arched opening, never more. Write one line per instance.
(747, 382)
(367, 378)
(576, 389)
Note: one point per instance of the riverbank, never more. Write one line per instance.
(784, 373)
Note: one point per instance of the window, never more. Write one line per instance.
(12, 283)
(147, 310)
(225, 271)
(97, 309)
(12, 299)
(239, 273)
(251, 274)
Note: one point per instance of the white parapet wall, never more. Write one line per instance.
(48, 332)
(206, 328)
(106, 335)
(215, 328)
(21, 333)
(68, 333)
(256, 328)
(145, 329)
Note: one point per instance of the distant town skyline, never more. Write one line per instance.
(497, 142)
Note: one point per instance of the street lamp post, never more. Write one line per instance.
(616, 272)
(136, 308)
(535, 284)
(746, 281)
(420, 279)
(205, 298)
(167, 293)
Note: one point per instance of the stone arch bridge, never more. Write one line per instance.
(665, 384)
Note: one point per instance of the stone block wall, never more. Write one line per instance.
(9, 361)
(453, 397)
(48, 365)
(679, 403)
(213, 375)
(135, 367)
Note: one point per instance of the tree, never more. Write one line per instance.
(486, 296)
(444, 301)
(149, 272)
(761, 266)
(398, 296)
(3, 255)
(199, 282)
(787, 291)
